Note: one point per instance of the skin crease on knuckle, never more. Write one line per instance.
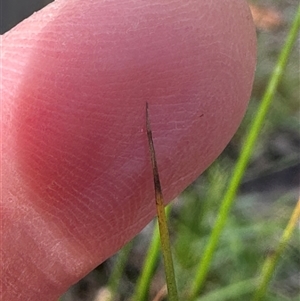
(77, 173)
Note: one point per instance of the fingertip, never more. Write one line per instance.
(77, 76)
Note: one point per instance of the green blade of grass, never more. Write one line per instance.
(271, 261)
(231, 292)
(143, 283)
(243, 160)
(117, 272)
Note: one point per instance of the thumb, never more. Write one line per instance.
(77, 181)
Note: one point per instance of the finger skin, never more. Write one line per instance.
(77, 182)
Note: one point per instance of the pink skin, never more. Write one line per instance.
(77, 180)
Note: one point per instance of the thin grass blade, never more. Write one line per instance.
(241, 165)
(162, 220)
(271, 261)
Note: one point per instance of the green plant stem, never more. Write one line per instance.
(271, 261)
(143, 283)
(231, 292)
(167, 254)
(241, 165)
(118, 269)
